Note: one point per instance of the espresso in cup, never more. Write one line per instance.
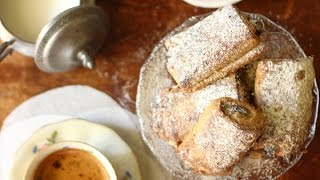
(68, 164)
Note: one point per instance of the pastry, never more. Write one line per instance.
(283, 90)
(174, 113)
(269, 150)
(223, 134)
(212, 49)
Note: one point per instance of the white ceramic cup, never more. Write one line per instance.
(41, 155)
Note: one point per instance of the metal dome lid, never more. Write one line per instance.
(72, 38)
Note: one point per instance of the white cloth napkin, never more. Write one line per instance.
(67, 100)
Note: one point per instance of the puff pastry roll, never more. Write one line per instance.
(175, 113)
(225, 131)
(283, 90)
(212, 49)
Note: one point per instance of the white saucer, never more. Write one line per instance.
(75, 101)
(101, 137)
(211, 3)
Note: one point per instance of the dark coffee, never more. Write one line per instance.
(70, 164)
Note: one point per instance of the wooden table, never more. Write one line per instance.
(137, 25)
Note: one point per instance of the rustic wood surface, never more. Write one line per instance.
(137, 25)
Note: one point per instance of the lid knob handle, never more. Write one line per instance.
(86, 60)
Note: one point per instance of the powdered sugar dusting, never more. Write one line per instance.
(176, 112)
(209, 45)
(216, 143)
(284, 92)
